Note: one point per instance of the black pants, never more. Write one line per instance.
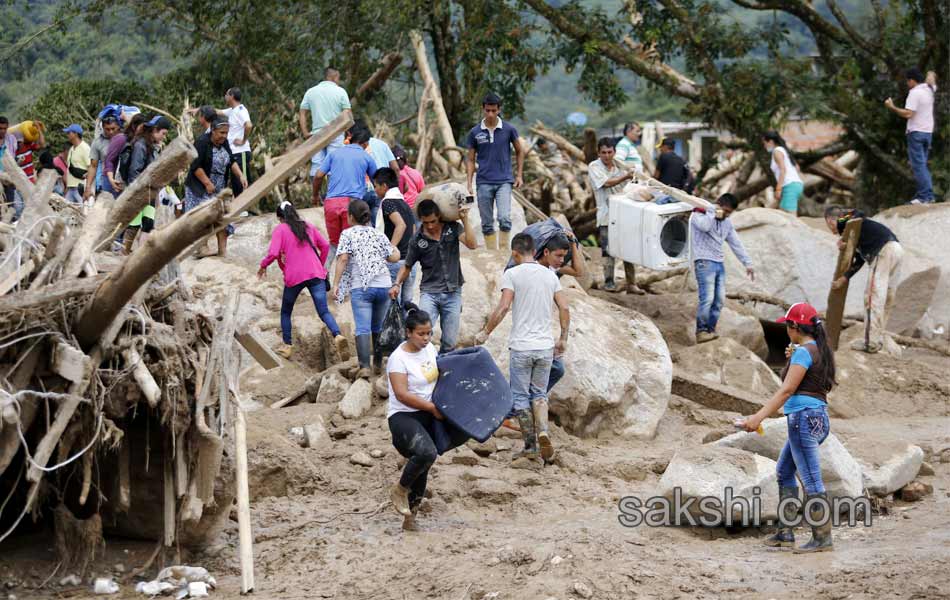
(243, 160)
(412, 437)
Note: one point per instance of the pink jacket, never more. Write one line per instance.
(410, 184)
(296, 258)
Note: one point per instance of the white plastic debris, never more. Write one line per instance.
(183, 574)
(556, 561)
(105, 585)
(70, 580)
(197, 589)
(153, 588)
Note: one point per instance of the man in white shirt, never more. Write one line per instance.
(239, 133)
(607, 176)
(919, 112)
(531, 291)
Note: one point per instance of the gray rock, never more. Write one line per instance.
(727, 362)
(332, 388)
(357, 401)
(483, 449)
(316, 433)
(377, 453)
(582, 589)
(915, 490)
(926, 470)
(840, 472)
(464, 456)
(362, 459)
(707, 471)
(887, 466)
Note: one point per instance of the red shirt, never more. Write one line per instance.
(24, 158)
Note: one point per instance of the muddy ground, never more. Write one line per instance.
(323, 527)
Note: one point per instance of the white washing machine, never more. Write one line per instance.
(647, 234)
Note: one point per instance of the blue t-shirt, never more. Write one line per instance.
(348, 168)
(381, 152)
(798, 402)
(493, 151)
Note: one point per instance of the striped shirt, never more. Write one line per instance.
(707, 234)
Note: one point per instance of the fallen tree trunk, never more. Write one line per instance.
(560, 141)
(163, 170)
(92, 231)
(376, 81)
(441, 118)
(161, 247)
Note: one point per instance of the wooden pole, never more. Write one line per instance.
(837, 297)
(243, 503)
(441, 118)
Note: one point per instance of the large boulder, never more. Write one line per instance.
(795, 262)
(923, 229)
(840, 472)
(709, 471)
(726, 362)
(888, 466)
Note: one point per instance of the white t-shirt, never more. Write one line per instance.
(534, 286)
(421, 369)
(791, 173)
(598, 173)
(237, 118)
(921, 100)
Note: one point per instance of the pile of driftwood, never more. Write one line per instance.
(120, 403)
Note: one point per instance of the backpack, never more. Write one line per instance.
(124, 162)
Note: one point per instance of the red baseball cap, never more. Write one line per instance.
(801, 313)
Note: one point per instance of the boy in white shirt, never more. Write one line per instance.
(531, 291)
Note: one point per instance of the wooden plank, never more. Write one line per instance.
(168, 497)
(92, 231)
(68, 362)
(289, 163)
(243, 502)
(716, 396)
(836, 298)
(258, 350)
(15, 276)
(142, 376)
(67, 408)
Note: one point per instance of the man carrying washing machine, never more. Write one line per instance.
(707, 232)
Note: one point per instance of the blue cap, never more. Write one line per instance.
(159, 121)
(74, 128)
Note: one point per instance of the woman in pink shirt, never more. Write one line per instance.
(300, 251)
(410, 180)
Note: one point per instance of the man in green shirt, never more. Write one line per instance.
(323, 103)
(627, 152)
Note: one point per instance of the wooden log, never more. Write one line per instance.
(69, 362)
(289, 164)
(243, 502)
(142, 376)
(160, 247)
(375, 82)
(259, 351)
(15, 276)
(93, 230)
(714, 395)
(86, 477)
(33, 221)
(181, 465)
(724, 168)
(124, 501)
(678, 195)
(64, 412)
(15, 175)
(441, 118)
(9, 437)
(422, 131)
(163, 170)
(836, 298)
(745, 297)
(560, 141)
(47, 296)
(168, 499)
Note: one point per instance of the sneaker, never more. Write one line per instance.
(342, 347)
(706, 336)
(364, 373)
(635, 290)
(610, 286)
(285, 350)
(915, 201)
(511, 424)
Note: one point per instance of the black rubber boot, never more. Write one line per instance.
(363, 351)
(820, 534)
(785, 536)
(377, 356)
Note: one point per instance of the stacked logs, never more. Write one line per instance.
(118, 396)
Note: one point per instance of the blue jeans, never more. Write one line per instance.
(557, 372)
(317, 161)
(807, 429)
(318, 291)
(18, 205)
(406, 291)
(371, 199)
(491, 195)
(918, 148)
(529, 374)
(73, 196)
(711, 282)
(447, 307)
(369, 308)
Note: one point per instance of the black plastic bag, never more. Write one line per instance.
(394, 328)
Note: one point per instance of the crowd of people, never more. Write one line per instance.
(377, 267)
